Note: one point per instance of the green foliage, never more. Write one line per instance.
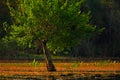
(75, 65)
(34, 63)
(61, 23)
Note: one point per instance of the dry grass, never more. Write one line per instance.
(62, 68)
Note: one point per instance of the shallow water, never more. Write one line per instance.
(62, 77)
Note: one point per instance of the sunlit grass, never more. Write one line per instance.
(36, 65)
(63, 68)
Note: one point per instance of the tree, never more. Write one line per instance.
(57, 24)
(4, 16)
(112, 33)
(106, 13)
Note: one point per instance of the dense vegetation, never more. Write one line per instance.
(104, 13)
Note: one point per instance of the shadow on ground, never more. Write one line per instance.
(63, 77)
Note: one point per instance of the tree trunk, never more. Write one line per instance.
(49, 64)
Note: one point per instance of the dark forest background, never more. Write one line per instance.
(104, 14)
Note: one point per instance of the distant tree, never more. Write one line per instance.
(106, 13)
(113, 30)
(56, 24)
(4, 17)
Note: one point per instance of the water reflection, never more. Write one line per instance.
(62, 77)
(81, 77)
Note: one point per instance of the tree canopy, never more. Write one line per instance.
(58, 22)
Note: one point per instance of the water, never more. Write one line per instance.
(62, 77)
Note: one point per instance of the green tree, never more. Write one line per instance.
(56, 24)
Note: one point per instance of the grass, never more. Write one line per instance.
(71, 66)
(36, 69)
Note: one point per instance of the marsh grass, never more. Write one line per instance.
(34, 63)
(39, 68)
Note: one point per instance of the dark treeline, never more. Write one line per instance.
(104, 14)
